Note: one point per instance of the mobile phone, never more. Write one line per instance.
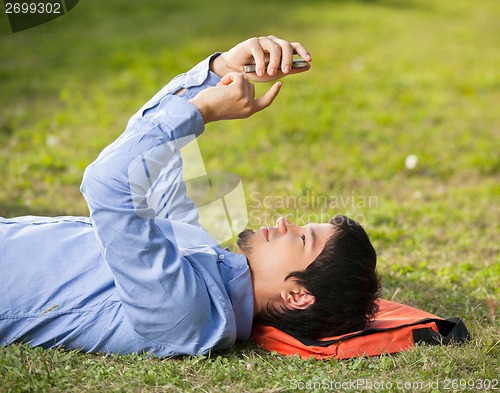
(297, 63)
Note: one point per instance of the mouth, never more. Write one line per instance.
(265, 232)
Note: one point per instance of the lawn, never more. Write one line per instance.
(390, 79)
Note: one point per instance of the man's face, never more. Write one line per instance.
(274, 252)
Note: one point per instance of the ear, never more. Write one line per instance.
(297, 298)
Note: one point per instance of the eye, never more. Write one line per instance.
(303, 237)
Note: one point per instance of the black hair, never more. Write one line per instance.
(344, 283)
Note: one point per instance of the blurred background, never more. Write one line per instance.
(397, 124)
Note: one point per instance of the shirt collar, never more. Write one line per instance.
(238, 282)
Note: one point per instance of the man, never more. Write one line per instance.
(141, 275)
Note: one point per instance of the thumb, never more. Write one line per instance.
(267, 99)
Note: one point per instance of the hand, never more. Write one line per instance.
(232, 98)
(278, 52)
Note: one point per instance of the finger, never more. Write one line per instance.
(229, 78)
(247, 92)
(241, 87)
(226, 80)
(239, 80)
(274, 54)
(257, 52)
(268, 98)
(287, 51)
(301, 51)
(294, 71)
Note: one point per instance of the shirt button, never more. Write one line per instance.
(221, 257)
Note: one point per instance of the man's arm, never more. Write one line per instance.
(150, 274)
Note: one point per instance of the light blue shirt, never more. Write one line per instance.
(141, 275)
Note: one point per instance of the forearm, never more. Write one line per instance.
(130, 165)
(116, 185)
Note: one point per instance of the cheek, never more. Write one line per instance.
(278, 258)
(288, 259)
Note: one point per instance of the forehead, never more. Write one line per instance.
(322, 233)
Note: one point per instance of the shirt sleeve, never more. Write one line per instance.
(151, 276)
(167, 192)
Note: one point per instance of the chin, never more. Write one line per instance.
(244, 242)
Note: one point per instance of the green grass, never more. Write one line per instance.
(389, 79)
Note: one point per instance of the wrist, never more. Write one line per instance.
(218, 65)
(202, 108)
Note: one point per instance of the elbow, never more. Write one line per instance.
(90, 185)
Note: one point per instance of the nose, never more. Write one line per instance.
(285, 225)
